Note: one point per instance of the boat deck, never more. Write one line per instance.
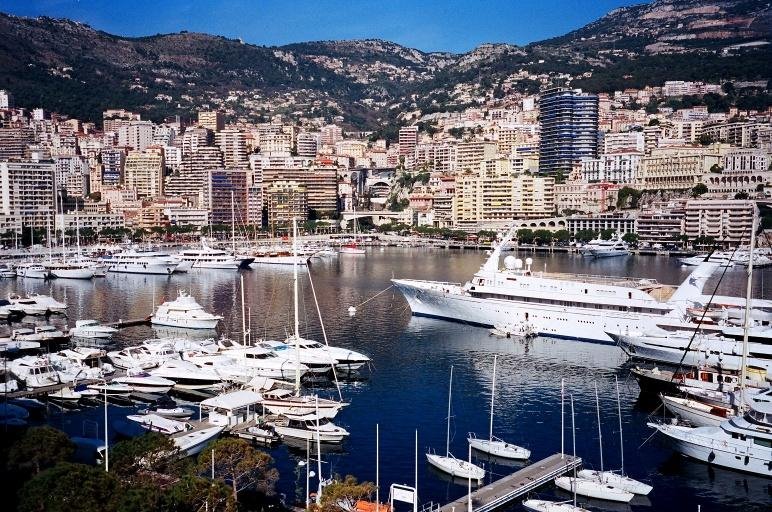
(504, 491)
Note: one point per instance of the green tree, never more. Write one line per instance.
(525, 236)
(484, 234)
(741, 195)
(654, 122)
(699, 189)
(606, 234)
(40, 448)
(628, 197)
(342, 495)
(144, 457)
(630, 238)
(705, 139)
(70, 488)
(585, 235)
(237, 462)
(544, 236)
(194, 494)
(561, 235)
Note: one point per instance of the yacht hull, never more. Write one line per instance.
(455, 467)
(186, 323)
(500, 449)
(73, 273)
(690, 443)
(149, 268)
(447, 301)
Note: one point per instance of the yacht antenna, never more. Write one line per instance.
(746, 324)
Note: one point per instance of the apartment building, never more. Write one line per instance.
(672, 169)
(470, 154)
(408, 139)
(227, 199)
(26, 193)
(618, 167)
(286, 200)
(569, 129)
(233, 146)
(661, 224)
(319, 182)
(144, 171)
(211, 120)
(136, 135)
(307, 144)
(726, 221)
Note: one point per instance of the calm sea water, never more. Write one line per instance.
(408, 387)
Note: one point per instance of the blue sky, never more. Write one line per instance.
(430, 25)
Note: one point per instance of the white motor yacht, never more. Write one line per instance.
(26, 306)
(208, 258)
(683, 347)
(249, 362)
(34, 372)
(285, 404)
(307, 352)
(309, 427)
(51, 304)
(115, 389)
(142, 381)
(133, 357)
(70, 270)
(347, 360)
(91, 329)
(741, 443)
(187, 375)
(193, 442)
(609, 248)
(157, 423)
(142, 262)
(32, 271)
(560, 305)
(184, 312)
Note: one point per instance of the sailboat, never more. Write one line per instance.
(298, 405)
(559, 506)
(493, 445)
(352, 247)
(619, 480)
(595, 488)
(67, 269)
(448, 463)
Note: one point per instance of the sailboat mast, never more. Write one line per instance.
(747, 323)
(562, 418)
(295, 295)
(493, 397)
(600, 434)
(318, 454)
(621, 437)
(77, 233)
(233, 225)
(573, 440)
(447, 433)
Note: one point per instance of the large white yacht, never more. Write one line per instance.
(742, 443)
(560, 305)
(70, 270)
(142, 262)
(209, 258)
(185, 313)
(608, 248)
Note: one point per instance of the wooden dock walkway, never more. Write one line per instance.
(504, 491)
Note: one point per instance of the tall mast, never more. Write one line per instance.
(447, 434)
(562, 418)
(573, 439)
(295, 294)
(621, 437)
(600, 434)
(493, 396)
(747, 323)
(233, 225)
(77, 232)
(318, 456)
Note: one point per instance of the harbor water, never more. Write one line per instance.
(407, 387)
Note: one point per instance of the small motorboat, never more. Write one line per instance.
(160, 424)
(142, 381)
(552, 506)
(90, 329)
(192, 443)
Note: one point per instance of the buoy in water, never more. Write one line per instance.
(352, 310)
